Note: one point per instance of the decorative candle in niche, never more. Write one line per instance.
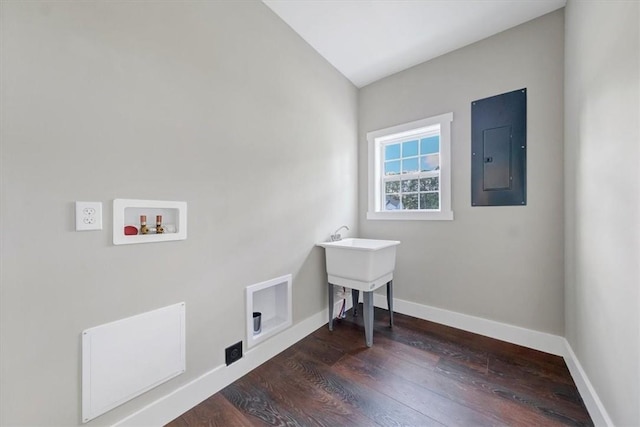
(143, 225)
(159, 228)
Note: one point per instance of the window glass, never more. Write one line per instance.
(392, 187)
(430, 162)
(410, 165)
(392, 151)
(429, 184)
(392, 168)
(429, 201)
(409, 185)
(410, 201)
(430, 145)
(392, 202)
(410, 148)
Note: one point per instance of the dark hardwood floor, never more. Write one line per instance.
(417, 374)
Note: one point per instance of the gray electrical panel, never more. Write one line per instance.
(499, 150)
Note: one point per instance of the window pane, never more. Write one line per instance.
(430, 184)
(392, 168)
(392, 202)
(430, 162)
(430, 201)
(392, 187)
(409, 165)
(392, 152)
(410, 148)
(430, 145)
(409, 201)
(409, 170)
(410, 186)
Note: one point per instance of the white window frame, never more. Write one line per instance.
(377, 139)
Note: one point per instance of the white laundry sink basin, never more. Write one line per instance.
(363, 264)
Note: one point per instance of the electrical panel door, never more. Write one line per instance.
(498, 150)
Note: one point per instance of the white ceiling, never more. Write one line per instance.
(367, 40)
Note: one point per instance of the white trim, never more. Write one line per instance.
(419, 129)
(416, 127)
(410, 215)
(542, 341)
(594, 405)
(189, 395)
(537, 340)
(408, 127)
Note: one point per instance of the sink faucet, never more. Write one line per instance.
(336, 236)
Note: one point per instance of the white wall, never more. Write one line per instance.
(602, 164)
(218, 104)
(499, 263)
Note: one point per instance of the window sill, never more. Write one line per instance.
(411, 216)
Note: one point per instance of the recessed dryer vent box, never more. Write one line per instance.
(272, 299)
(499, 150)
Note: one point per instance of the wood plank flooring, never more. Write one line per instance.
(417, 374)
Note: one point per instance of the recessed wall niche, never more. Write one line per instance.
(126, 216)
(273, 300)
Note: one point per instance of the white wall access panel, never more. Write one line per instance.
(125, 358)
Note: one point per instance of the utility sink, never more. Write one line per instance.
(362, 264)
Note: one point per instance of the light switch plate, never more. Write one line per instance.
(88, 216)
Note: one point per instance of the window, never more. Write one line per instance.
(409, 170)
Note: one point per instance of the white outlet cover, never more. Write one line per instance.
(88, 216)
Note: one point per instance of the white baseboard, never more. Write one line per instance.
(542, 341)
(594, 405)
(187, 396)
(549, 343)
